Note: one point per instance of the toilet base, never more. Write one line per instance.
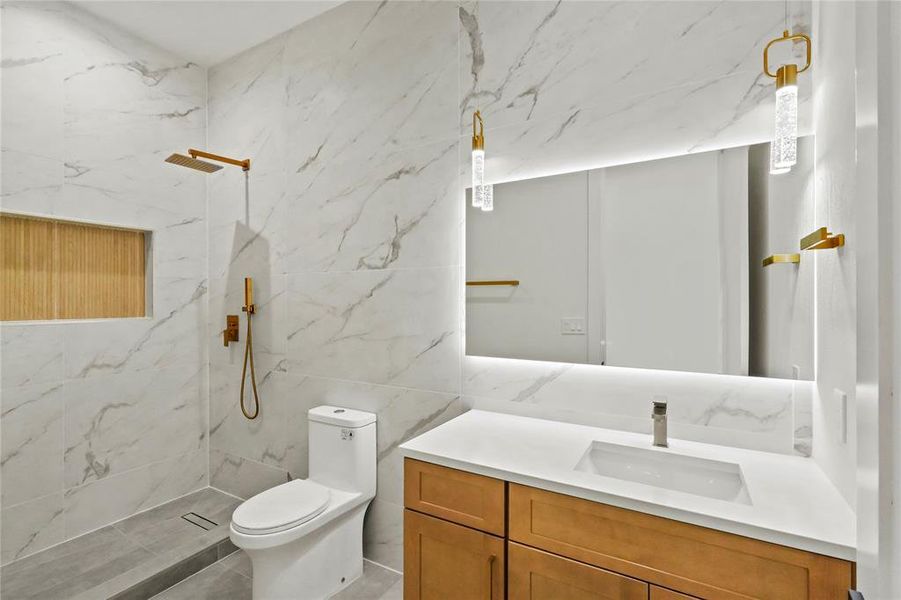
(314, 566)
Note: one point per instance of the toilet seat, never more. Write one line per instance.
(281, 507)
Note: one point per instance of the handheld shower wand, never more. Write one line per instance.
(249, 308)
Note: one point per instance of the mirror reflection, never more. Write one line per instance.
(656, 265)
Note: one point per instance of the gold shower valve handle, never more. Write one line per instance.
(797, 37)
(230, 333)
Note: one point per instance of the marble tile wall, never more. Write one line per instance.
(351, 224)
(102, 418)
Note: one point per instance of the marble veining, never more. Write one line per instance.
(101, 418)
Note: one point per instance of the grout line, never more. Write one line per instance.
(381, 566)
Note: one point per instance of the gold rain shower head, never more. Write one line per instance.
(192, 163)
(201, 165)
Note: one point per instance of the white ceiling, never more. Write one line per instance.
(206, 32)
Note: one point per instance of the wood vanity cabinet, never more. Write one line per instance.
(469, 536)
(460, 554)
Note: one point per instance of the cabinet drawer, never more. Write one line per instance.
(465, 498)
(659, 593)
(443, 560)
(536, 575)
(695, 560)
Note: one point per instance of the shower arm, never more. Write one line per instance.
(244, 164)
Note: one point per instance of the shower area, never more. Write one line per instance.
(147, 393)
(105, 451)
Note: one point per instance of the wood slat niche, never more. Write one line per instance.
(52, 269)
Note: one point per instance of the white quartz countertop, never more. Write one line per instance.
(792, 501)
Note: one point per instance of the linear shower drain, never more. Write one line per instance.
(194, 519)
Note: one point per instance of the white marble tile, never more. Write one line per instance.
(383, 534)
(179, 248)
(750, 412)
(119, 422)
(33, 67)
(242, 477)
(270, 300)
(391, 327)
(247, 98)
(529, 62)
(31, 184)
(396, 210)
(729, 111)
(365, 78)
(31, 527)
(171, 337)
(31, 424)
(31, 354)
(266, 439)
(99, 503)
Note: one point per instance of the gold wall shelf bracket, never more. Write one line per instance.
(779, 259)
(508, 282)
(822, 239)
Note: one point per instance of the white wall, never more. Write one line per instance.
(890, 38)
(101, 418)
(877, 210)
(836, 279)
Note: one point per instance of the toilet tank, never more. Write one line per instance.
(343, 448)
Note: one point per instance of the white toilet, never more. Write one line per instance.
(305, 537)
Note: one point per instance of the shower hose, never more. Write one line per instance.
(248, 357)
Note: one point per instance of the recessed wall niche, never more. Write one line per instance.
(53, 269)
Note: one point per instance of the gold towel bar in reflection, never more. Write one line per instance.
(822, 239)
(511, 282)
(781, 258)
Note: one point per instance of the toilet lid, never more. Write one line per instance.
(281, 507)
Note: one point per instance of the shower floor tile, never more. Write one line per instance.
(76, 566)
(134, 558)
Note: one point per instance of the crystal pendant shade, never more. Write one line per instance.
(784, 150)
(478, 176)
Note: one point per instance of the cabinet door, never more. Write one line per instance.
(537, 575)
(443, 560)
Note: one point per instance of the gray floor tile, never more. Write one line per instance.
(213, 583)
(395, 592)
(239, 562)
(375, 582)
(137, 556)
(162, 529)
(73, 567)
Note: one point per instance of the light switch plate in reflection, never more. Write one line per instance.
(572, 326)
(841, 405)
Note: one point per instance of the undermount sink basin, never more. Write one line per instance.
(699, 476)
